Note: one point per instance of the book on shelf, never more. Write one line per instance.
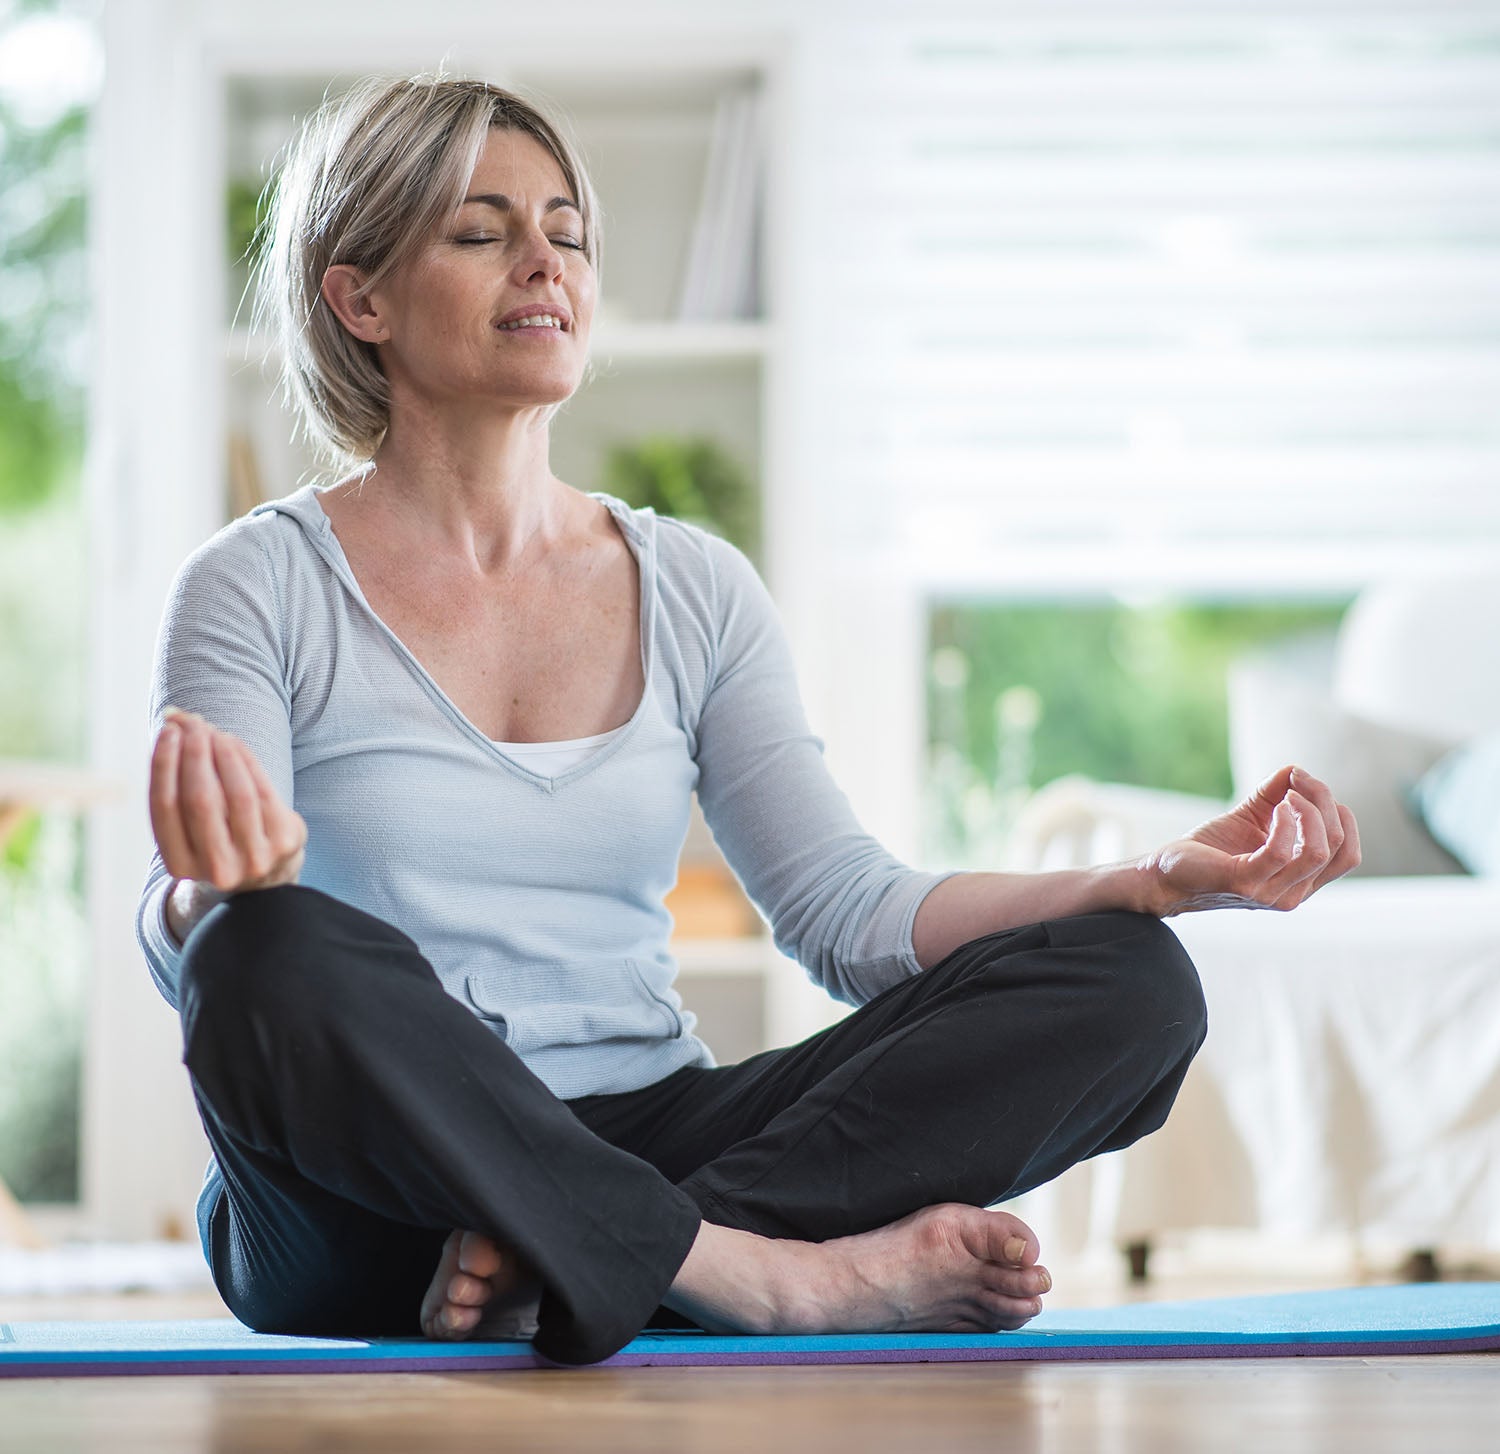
(722, 280)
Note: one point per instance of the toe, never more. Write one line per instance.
(433, 1301)
(468, 1291)
(455, 1321)
(1019, 1282)
(479, 1256)
(1008, 1239)
(1006, 1314)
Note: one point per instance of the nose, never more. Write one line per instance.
(536, 257)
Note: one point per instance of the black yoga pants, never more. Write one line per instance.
(359, 1114)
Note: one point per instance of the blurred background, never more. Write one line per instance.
(1107, 393)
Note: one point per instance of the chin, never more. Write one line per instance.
(541, 392)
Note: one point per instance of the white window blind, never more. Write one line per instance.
(1183, 281)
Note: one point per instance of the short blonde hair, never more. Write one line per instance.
(366, 180)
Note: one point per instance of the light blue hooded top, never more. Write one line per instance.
(537, 899)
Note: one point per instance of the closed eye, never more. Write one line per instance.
(478, 241)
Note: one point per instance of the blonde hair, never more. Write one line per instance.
(366, 180)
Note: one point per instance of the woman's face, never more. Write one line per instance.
(513, 249)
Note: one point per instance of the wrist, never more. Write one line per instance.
(188, 900)
(1137, 885)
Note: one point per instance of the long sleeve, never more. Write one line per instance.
(838, 902)
(221, 653)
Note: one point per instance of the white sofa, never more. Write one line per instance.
(1350, 1084)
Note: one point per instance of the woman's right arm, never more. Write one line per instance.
(221, 768)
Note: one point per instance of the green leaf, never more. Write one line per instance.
(693, 479)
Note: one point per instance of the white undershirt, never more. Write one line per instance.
(550, 759)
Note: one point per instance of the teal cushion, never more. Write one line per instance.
(1459, 800)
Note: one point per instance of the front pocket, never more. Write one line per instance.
(536, 1006)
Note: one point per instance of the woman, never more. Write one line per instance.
(425, 747)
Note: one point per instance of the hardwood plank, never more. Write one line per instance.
(1446, 1404)
(1443, 1404)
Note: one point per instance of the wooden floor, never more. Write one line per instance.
(1434, 1405)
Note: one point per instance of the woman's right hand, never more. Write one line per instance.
(218, 820)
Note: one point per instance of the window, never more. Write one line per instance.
(49, 69)
(1022, 694)
(1179, 301)
(1163, 281)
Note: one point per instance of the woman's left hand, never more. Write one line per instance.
(1284, 842)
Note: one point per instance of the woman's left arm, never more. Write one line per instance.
(1284, 842)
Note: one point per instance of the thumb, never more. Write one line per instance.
(1272, 791)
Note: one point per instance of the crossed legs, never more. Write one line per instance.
(361, 1116)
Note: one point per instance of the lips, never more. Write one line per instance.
(552, 316)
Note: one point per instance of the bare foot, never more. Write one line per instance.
(480, 1291)
(949, 1268)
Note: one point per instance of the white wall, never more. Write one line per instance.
(854, 547)
(153, 437)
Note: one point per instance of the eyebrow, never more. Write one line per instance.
(501, 203)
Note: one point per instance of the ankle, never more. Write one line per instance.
(734, 1281)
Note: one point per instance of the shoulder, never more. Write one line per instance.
(258, 546)
(249, 563)
(690, 559)
(719, 585)
(234, 555)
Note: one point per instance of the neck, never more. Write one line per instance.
(481, 486)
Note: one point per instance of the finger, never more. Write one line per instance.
(166, 808)
(1277, 851)
(1351, 848)
(1343, 861)
(1288, 887)
(242, 804)
(204, 813)
(1321, 796)
(1266, 875)
(284, 827)
(1263, 802)
(1313, 850)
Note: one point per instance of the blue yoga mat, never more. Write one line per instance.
(1444, 1318)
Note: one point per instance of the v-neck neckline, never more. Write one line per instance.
(641, 543)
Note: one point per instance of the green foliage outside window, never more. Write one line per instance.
(691, 479)
(44, 363)
(43, 943)
(1019, 695)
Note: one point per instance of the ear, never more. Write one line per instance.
(357, 311)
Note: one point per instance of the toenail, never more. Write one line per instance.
(1046, 1282)
(1015, 1249)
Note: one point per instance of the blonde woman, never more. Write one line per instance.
(425, 745)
